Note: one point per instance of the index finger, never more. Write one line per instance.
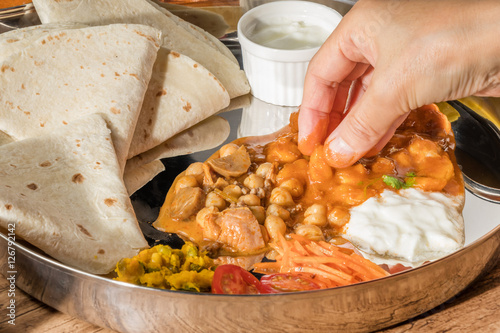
(326, 86)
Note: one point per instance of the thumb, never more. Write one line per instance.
(369, 125)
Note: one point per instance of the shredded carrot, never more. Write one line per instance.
(330, 265)
(299, 248)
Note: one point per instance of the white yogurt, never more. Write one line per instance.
(410, 227)
(287, 34)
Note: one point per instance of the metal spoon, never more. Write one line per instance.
(477, 152)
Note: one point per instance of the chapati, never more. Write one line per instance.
(64, 192)
(205, 135)
(64, 74)
(180, 94)
(136, 178)
(175, 37)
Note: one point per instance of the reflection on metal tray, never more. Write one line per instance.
(18, 17)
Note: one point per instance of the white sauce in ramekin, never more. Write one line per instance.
(287, 34)
(409, 227)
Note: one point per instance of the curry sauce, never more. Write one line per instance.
(287, 192)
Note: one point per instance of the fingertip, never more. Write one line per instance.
(312, 130)
(339, 154)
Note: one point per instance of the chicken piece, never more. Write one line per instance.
(187, 202)
(236, 228)
(232, 165)
(206, 219)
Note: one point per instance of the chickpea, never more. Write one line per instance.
(196, 170)
(315, 215)
(309, 231)
(275, 226)
(213, 199)
(264, 169)
(338, 217)
(250, 200)
(277, 210)
(186, 181)
(253, 181)
(294, 186)
(228, 149)
(281, 197)
(259, 212)
(233, 191)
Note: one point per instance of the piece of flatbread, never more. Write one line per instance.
(64, 74)
(198, 32)
(181, 93)
(171, 97)
(213, 23)
(137, 177)
(64, 193)
(15, 40)
(5, 138)
(175, 37)
(205, 135)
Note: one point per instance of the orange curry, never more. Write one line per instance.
(255, 188)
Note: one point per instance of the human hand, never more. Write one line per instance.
(395, 56)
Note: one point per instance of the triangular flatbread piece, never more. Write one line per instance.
(63, 74)
(181, 93)
(63, 192)
(205, 135)
(137, 177)
(175, 37)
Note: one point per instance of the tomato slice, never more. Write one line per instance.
(286, 282)
(232, 279)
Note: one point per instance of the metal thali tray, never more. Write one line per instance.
(361, 307)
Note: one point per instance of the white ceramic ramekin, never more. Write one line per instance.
(277, 76)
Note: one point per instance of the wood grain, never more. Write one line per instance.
(476, 309)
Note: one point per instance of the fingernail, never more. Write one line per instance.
(338, 153)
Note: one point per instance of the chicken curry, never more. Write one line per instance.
(257, 189)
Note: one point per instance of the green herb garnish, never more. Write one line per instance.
(393, 182)
(398, 183)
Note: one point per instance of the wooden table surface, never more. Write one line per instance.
(476, 309)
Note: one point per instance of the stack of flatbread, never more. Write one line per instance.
(89, 102)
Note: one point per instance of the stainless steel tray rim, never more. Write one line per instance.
(43, 258)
